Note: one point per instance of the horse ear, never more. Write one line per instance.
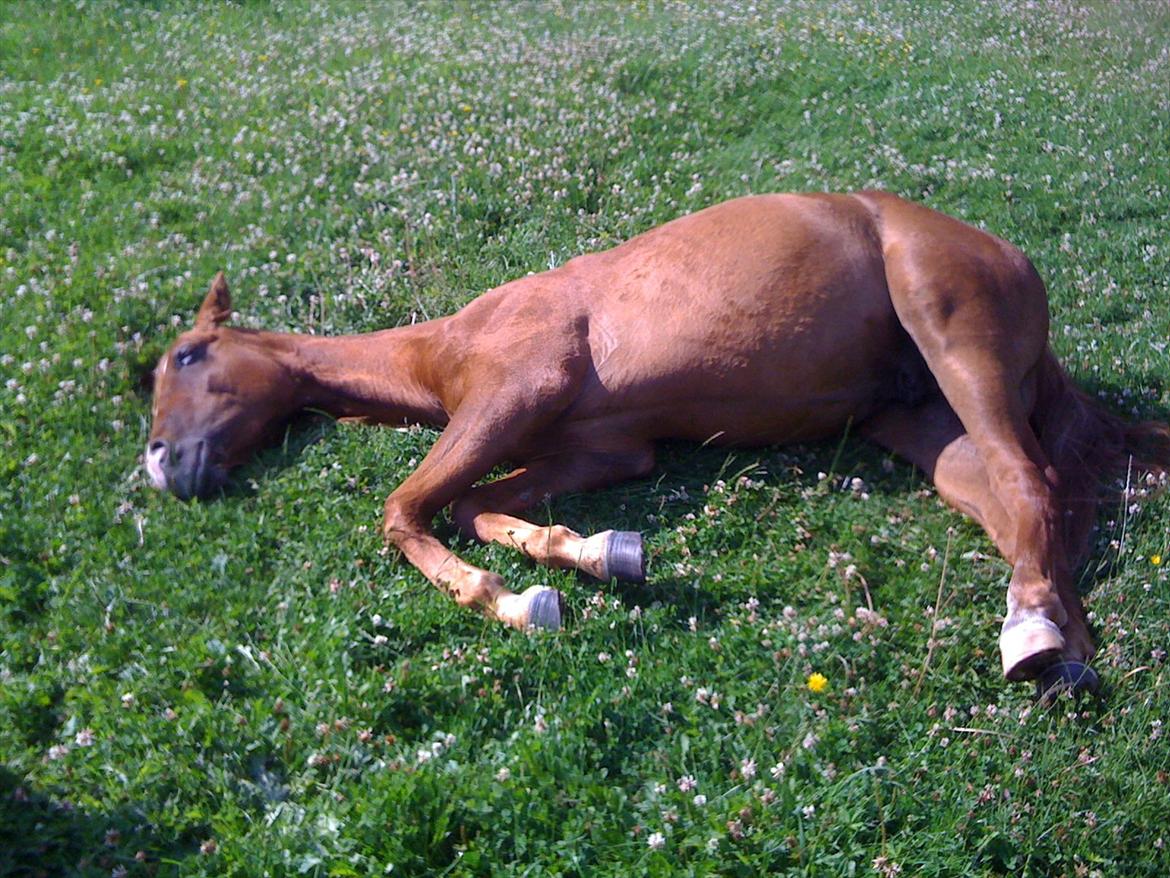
(217, 305)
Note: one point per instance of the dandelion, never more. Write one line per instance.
(656, 841)
(1156, 560)
(817, 682)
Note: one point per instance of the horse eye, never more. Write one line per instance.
(187, 356)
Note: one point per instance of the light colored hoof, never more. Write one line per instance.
(624, 558)
(1028, 643)
(545, 607)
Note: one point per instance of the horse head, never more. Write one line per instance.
(218, 395)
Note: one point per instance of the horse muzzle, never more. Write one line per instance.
(186, 468)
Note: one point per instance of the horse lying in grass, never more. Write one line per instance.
(766, 319)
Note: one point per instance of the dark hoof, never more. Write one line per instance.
(544, 610)
(1072, 676)
(623, 556)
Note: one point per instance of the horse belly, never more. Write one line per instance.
(773, 399)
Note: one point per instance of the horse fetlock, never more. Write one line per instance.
(590, 557)
(472, 587)
(1035, 597)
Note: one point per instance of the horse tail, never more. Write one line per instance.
(1093, 451)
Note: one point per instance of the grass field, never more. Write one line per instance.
(252, 686)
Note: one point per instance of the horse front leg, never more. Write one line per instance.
(479, 437)
(488, 512)
(468, 585)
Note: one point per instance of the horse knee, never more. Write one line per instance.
(478, 588)
(464, 512)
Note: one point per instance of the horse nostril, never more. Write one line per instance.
(159, 450)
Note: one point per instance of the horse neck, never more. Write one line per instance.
(380, 377)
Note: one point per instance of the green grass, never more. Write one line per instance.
(253, 687)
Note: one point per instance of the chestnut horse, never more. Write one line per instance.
(766, 319)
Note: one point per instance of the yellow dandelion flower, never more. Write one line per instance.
(817, 682)
(180, 83)
(1156, 560)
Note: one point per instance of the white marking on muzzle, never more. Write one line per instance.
(154, 466)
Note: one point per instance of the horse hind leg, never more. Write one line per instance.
(488, 512)
(931, 437)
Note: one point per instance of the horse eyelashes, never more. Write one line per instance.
(187, 356)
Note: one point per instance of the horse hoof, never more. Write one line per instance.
(624, 558)
(1067, 676)
(544, 609)
(1028, 644)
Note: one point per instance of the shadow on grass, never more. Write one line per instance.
(45, 835)
(677, 492)
(305, 430)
